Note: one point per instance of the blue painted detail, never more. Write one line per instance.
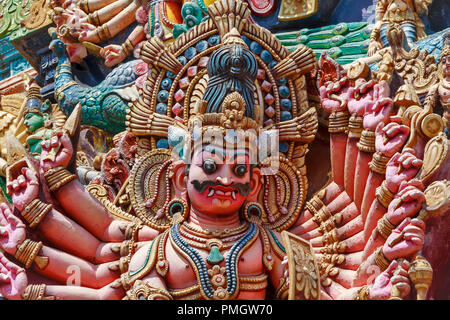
(190, 53)
(162, 144)
(201, 46)
(246, 40)
(273, 64)
(286, 104)
(214, 40)
(284, 146)
(163, 95)
(170, 75)
(266, 56)
(182, 59)
(161, 108)
(284, 91)
(282, 81)
(286, 116)
(166, 83)
(255, 47)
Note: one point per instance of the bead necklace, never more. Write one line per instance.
(215, 233)
(201, 269)
(200, 243)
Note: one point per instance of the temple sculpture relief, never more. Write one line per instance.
(203, 190)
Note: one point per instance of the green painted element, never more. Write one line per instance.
(151, 20)
(4, 191)
(202, 6)
(192, 14)
(276, 241)
(350, 59)
(336, 41)
(344, 41)
(132, 273)
(214, 257)
(12, 13)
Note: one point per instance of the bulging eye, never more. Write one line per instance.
(209, 166)
(240, 170)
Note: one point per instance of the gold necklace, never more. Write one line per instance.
(216, 233)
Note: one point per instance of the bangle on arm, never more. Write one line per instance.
(58, 177)
(35, 211)
(27, 253)
(36, 292)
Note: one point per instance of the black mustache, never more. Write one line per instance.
(244, 188)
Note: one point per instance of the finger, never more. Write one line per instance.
(415, 195)
(390, 270)
(403, 224)
(396, 119)
(388, 126)
(392, 132)
(380, 128)
(418, 223)
(403, 286)
(413, 183)
(31, 177)
(407, 163)
(398, 279)
(413, 230)
(417, 163)
(65, 141)
(4, 278)
(15, 185)
(54, 141)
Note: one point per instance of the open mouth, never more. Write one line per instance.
(222, 192)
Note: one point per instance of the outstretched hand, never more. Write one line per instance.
(390, 138)
(13, 279)
(12, 230)
(407, 203)
(396, 275)
(406, 240)
(401, 167)
(113, 54)
(56, 152)
(379, 112)
(24, 188)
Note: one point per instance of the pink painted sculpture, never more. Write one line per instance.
(217, 185)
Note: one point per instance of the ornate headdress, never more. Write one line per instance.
(223, 77)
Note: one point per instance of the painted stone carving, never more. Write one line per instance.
(205, 193)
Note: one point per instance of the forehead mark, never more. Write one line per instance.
(223, 153)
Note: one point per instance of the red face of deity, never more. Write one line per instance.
(219, 180)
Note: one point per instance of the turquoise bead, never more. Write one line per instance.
(214, 40)
(284, 91)
(166, 83)
(163, 95)
(182, 59)
(201, 46)
(286, 104)
(266, 56)
(246, 40)
(190, 53)
(286, 116)
(161, 108)
(283, 146)
(255, 47)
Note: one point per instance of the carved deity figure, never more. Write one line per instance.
(403, 12)
(444, 85)
(218, 204)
